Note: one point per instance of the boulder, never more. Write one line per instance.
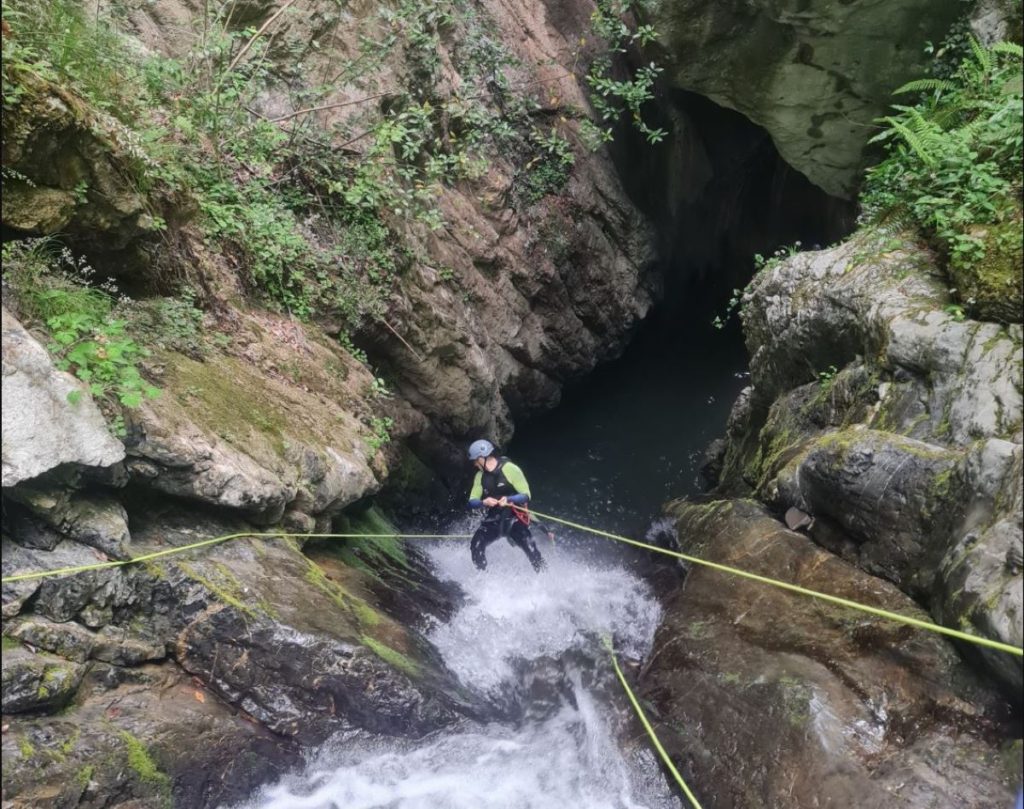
(37, 682)
(42, 429)
(814, 73)
(150, 737)
(769, 698)
(905, 451)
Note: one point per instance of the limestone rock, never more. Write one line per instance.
(74, 174)
(768, 698)
(41, 428)
(814, 74)
(138, 738)
(904, 450)
(226, 434)
(37, 682)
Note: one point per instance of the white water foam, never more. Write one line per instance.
(570, 758)
(513, 613)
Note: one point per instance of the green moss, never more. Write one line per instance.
(772, 455)
(796, 697)
(227, 401)
(142, 763)
(1010, 758)
(991, 287)
(10, 644)
(84, 776)
(226, 587)
(25, 748)
(385, 550)
(392, 657)
(362, 612)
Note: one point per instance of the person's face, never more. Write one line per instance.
(479, 463)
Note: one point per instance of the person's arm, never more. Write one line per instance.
(515, 476)
(476, 492)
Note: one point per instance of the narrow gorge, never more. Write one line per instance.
(269, 268)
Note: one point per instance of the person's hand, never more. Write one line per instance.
(503, 502)
(490, 502)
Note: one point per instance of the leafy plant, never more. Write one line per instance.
(380, 428)
(827, 377)
(88, 338)
(613, 97)
(954, 158)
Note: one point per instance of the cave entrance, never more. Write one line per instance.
(632, 435)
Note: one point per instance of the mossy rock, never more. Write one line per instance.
(993, 288)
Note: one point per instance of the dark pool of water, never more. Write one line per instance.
(633, 434)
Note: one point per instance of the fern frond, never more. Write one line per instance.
(1009, 49)
(981, 55)
(913, 139)
(924, 86)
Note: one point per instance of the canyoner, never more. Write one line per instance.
(498, 486)
(307, 306)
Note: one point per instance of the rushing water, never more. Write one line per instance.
(622, 443)
(534, 639)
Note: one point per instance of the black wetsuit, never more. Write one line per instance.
(502, 522)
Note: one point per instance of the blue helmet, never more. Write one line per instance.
(480, 449)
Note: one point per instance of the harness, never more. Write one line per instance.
(496, 485)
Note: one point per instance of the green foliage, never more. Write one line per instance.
(761, 263)
(954, 158)
(549, 171)
(380, 427)
(142, 763)
(613, 97)
(827, 377)
(89, 338)
(312, 216)
(58, 41)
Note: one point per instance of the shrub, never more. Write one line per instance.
(953, 159)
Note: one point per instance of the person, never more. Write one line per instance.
(500, 484)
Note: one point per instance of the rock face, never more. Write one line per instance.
(895, 423)
(768, 698)
(814, 74)
(41, 428)
(266, 662)
(68, 165)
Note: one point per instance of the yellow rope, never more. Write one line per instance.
(64, 571)
(650, 730)
(843, 602)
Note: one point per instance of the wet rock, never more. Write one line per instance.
(116, 646)
(978, 587)
(67, 639)
(41, 428)
(811, 73)
(904, 449)
(893, 496)
(60, 599)
(153, 739)
(96, 520)
(37, 682)
(767, 698)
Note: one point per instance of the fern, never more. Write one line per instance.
(925, 85)
(913, 140)
(1008, 49)
(981, 55)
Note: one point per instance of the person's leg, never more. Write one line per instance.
(484, 536)
(522, 536)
